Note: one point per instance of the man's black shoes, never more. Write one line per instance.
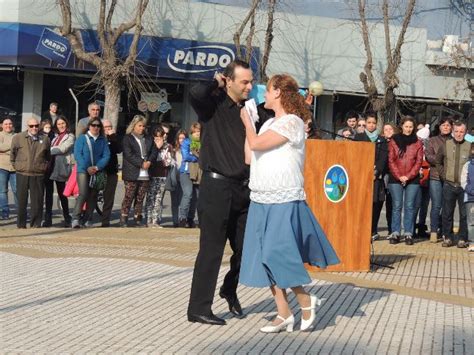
(234, 305)
(211, 319)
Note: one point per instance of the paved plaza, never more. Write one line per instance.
(111, 290)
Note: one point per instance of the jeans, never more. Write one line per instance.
(470, 219)
(451, 195)
(436, 195)
(187, 206)
(403, 196)
(5, 177)
(86, 195)
(422, 202)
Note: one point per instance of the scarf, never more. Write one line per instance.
(372, 136)
(58, 139)
(403, 141)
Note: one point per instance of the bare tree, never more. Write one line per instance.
(249, 41)
(111, 68)
(382, 100)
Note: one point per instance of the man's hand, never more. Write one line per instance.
(91, 170)
(220, 78)
(146, 165)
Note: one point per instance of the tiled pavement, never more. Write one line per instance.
(126, 291)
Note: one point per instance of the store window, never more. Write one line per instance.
(11, 98)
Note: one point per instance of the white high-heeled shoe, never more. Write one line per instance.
(286, 323)
(307, 323)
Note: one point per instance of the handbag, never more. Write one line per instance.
(171, 182)
(61, 169)
(99, 179)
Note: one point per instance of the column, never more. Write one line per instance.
(32, 97)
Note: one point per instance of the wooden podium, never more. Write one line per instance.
(339, 189)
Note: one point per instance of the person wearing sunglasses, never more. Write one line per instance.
(88, 164)
(361, 124)
(30, 155)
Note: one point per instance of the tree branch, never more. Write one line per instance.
(108, 26)
(249, 39)
(386, 26)
(101, 30)
(367, 77)
(268, 40)
(397, 57)
(240, 30)
(132, 53)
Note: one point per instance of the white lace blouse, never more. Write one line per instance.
(276, 175)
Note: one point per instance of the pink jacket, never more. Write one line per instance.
(71, 188)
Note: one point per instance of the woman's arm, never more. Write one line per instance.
(248, 152)
(268, 140)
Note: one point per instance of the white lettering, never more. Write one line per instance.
(201, 58)
(224, 60)
(178, 55)
(189, 59)
(212, 60)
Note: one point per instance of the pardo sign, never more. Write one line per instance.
(200, 59)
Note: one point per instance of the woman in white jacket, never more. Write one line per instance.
(62, 146)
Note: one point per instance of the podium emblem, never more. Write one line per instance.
(336, 183)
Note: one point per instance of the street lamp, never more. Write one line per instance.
(315, 88)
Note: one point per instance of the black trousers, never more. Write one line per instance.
(34, 186)
(376, 210)
(109, 196)
(451, 195)
(49, 192)
(222, 210)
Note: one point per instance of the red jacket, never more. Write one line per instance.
(409, 164)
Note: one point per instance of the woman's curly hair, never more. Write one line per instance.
(291, 100)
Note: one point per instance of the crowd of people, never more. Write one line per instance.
(86, 163)
(237, 168)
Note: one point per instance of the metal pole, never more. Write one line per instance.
(77, 105)
(314, 110)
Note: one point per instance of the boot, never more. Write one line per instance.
(139, 220)
(422, 231)
(48, 220)
(123, 221)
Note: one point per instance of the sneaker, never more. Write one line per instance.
(408, 240)
(153, 225)
(182, 223)
(447, 243)
(75, 224)
(375, 237)
(88, 224)
(462, 244)
(434, 237)
(471, 248)
(394, 238)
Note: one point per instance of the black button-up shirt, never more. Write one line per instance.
(222, 131)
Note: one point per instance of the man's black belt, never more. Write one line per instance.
(217, 176)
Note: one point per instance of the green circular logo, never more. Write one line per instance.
(336, 183)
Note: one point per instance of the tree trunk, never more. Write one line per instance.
(112, 101)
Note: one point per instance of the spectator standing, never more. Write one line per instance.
(158, 172)
(351, 123)
(177, 193)
(30, 155)
(389, 129)
(59, 169)
(52, 114)
(423, 197)
(371, 134)
(138, 153)
(94, 112)
(111, 169)
(405, 158)
(187, 206)
(7, 171)
(450, 160)
(89, 163)
(467, 183)
(361, 125)
(436, 184)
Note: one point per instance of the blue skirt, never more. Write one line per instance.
(279, 238)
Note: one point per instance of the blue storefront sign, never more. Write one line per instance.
(40, 46)
(54, 47)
